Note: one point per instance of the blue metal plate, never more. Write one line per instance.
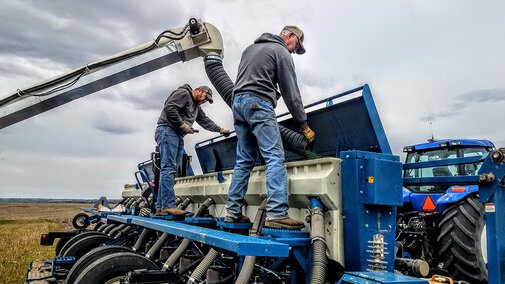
(241, 226)
(285, 233)
(242, 245)
(199, 220)
(379, 277)
(125, 219)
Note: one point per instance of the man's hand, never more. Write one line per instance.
(187, 129)
(224, 132)
(308, 133)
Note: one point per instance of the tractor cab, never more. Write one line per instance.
(444, 150)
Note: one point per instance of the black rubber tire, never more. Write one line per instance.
(77, 238)
(460, 240)
(83, 246)
(59, 245)
(112, 266)
(90, 257)
(79, 221)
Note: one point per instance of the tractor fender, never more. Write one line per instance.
(406, 195)
(459, 192)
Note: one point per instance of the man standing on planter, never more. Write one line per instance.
(181, 110)
(265, 65)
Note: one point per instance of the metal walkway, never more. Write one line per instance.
(241, 245)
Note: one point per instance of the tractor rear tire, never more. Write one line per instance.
(462, 241)
(90, 257)
(80, 221)
(112, 267)
(83, 246)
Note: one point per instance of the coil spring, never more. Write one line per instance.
(377, 251)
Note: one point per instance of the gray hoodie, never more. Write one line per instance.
(181, 107)
(266, 64)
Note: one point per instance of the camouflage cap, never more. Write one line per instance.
(299, 34)
(208, 91)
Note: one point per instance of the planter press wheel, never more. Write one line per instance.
(84, 245)
(76, 238)
(92, 256)
(111, 268)
(59, 245)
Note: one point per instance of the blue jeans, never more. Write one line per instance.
(255, 121)
(171, 145)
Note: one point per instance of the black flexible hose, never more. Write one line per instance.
(103, 227)
(292, 140)
(249, 261)
(140, 240)
(223, 280)
(176, 254)
(186, 242)
(129, 202)
(185, 203)
(178, 201)
(123, 232)
(97, 226)
(157, 246)
(109, 228)
(200, 270)
(115, 230)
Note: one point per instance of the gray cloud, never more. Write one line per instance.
(402, 50)
(81, 32)
(478, 96)
(467, 100)
(114, 127)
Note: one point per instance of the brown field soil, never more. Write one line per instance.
(21, 225)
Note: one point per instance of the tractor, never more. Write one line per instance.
(442, 220)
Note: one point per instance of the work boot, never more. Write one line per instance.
(159, 212)
(174, 211)
(286, 223)
(241, 219)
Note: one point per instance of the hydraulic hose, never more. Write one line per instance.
(292, 140)
(157, 246)
(249, 261)
(140, 240)
(186, 242)
(318, 272)
(201, 269)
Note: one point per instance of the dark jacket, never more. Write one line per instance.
(266, 64)
(181, 107)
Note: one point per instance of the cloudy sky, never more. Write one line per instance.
(438, 61)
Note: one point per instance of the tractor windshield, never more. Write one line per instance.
(449, 170)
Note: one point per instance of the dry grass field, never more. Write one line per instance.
(21, 225)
